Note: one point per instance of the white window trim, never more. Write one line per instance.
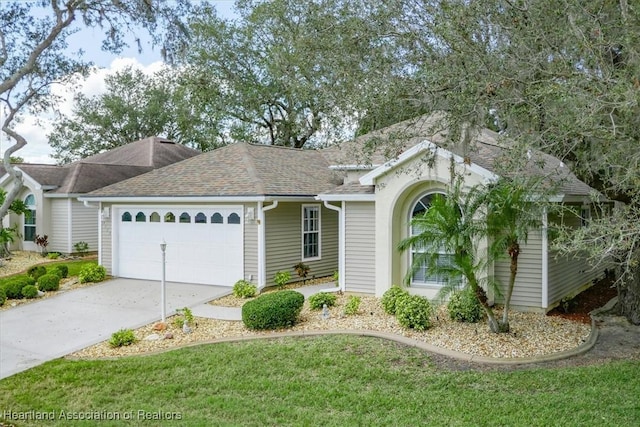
(318, 231)
(33, 209)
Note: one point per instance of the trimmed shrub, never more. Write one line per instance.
(49, 282)
(390, 298)
(414, 312)
(53, 255)
(122, 338)
(3, 296)
(36, 271)
(317, 301)
(244, 289)
(92, 273)
(13, 288)
(274, 310)
(63, 269)
(353, 305)
(463, 306)
(30, 292)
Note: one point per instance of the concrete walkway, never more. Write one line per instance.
(34, 333)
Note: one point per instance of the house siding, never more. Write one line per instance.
(106, 258)
(251, 247)
(360, 255)
(527, 292)
(283, 240)
(84, 223)
(60, 215)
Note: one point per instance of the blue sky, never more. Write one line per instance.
(36, 129)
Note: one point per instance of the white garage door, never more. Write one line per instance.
(203, 245)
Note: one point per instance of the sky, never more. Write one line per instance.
(35, 129)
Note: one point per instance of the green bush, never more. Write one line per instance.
(92, 273)
(244, 289)
(317, 301)
(463, 306)
(122, 338)
(49, 282)
(13, 287)
(353, 305)
(3, 296)
(36, 271)
(414, 312)
(30, 292)
(390, 298)
(63, 269)
(281, 278)
(274, 310)
(53, 255)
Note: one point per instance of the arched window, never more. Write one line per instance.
(422, 276)
(141, 217)
(126, 217)
(201, 218)
(185, 218)
(30, 219)
(216, 218)
(154, 217)
(234, 218)
(169, 217)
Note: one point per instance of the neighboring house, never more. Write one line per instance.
(51, 192)
(247, 211)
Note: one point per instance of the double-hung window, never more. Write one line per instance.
(30, 219)
(310, 232)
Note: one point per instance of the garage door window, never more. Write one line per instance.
(185, 218)
(141, 217)
(201, 218)
(154, 217)
(233, 219)
(169, 217)
(216, 218)
(126, 217)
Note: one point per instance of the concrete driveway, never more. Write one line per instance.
(34, 333)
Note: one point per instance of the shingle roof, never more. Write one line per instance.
(106, 168)
(234, 170)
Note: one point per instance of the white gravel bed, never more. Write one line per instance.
(532, 334)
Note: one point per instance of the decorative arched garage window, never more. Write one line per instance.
(169, 217)
(201, 218)
(234, 218)
(422, 276)
(141, 217)
(154, 217)
(30, 219)
(185, 218)
(126, 217)
(216, 218)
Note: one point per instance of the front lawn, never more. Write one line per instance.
(330, 380)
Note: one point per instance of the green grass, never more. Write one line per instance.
(330, 381)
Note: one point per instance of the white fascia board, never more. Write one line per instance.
(353, 167)
(346, 197)
(176, 199)
(369, 178)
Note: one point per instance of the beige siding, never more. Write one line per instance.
(107, 241)
(360, 257)
(251, 248)
(527, 292)
(60, 212)
(284, 241)
(84, 225)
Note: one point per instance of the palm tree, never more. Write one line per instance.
(454, 224)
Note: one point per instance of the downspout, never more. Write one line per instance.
(262, 244)
(341, 246)
(545, 260)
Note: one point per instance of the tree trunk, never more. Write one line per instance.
(514, 251)
(494, 326)
(629, 296)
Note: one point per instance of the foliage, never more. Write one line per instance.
(187, 315)
(81, 248)
(244, 289)
(36, 271)
(353, 305)
(53, 255)
(49, 282)
(29, 292)
(281, 278)
(134, 106)
(414, 312)
(3, 296)
(463, 306)
(121, 338)
(273, 310)
(302, 270)
(13, 286)
(391, 297)
(336, 277)
(63, 269)
(317, 301)
(42, 242)
(92, 273)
